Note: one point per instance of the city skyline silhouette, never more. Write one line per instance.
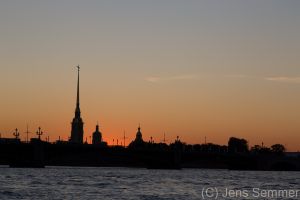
(131, 99)
(77, 132)
(198, 70)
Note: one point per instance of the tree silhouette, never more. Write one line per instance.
(236, 145)
(278, 148)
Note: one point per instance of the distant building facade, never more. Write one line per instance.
(77, 123)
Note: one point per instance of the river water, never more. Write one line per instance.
(131, 183)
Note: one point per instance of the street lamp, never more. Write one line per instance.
(16, 133)
(39, 133)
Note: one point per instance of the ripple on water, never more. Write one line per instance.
(124, 183)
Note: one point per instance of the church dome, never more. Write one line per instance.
(97, 136)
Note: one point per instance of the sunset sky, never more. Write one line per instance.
(188, 68)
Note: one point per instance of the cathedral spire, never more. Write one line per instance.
(78, 86)
(77, 123)
(77, 112)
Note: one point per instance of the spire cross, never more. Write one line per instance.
(16, 133)
(39, 133)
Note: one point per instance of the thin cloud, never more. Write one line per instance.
(284, 79)
(236, 76)
(155, 79)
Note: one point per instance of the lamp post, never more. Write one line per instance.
(39, 133)
(124, 138)
(16, 133)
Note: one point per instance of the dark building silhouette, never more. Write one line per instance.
(10, 141)
(139, 136)
(77, 123)
(97, 136)
(138, 142)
